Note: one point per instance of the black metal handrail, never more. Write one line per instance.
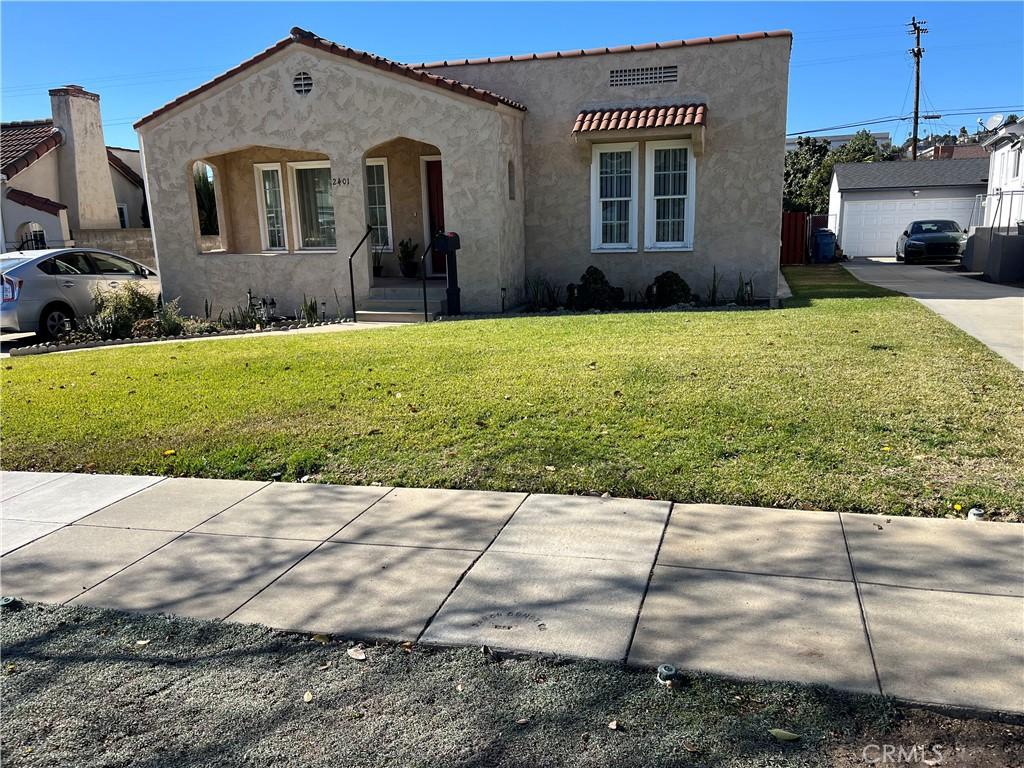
(423, 276)
(351, 279)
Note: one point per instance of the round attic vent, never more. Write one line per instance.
(302, 83)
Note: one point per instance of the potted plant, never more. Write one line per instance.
(407, 258)
(378, 262)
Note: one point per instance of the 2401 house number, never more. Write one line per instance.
(339, 181)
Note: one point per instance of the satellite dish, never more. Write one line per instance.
(994, 122)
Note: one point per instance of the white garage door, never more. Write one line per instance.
(871, 228)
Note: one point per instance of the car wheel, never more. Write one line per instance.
(53, 319)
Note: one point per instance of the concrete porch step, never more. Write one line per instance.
(393, 316)
(408, 289)
(410, 304)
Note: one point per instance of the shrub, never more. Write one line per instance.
(117, 311)
(595, 292)
(668, 289)
(169, 319)
(148, 328)
(541, 293)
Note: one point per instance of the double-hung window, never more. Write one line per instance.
(378, 203)
(613, 195)
(270, 200)
(313, 204)
(669, 184)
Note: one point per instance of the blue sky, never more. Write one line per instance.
(850, 60)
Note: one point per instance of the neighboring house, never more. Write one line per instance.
(62, 186)
(836, 140)
(637, 160)
(1004, 198)
(870, 204)
(952, 152)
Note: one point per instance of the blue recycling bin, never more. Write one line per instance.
(824, 246)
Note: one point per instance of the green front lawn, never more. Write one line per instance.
(865, 404)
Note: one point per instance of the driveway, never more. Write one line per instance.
(991, 313)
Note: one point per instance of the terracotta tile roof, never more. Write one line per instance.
(302, 37)
(21, 197)
(629, 118)
(124, 169)
(695, 41)
(24, 142)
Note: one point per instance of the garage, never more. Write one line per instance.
(870, 204)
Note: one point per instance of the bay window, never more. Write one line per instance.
(613, 195)
(313, 204)
(668, 205)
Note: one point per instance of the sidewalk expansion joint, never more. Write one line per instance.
(463, 575)
(647, 585)
(165, 544)
(319, 544)
(860, 607)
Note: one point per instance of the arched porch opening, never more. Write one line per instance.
(273, 200)
(404, 194)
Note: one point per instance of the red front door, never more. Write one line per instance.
(435, 210)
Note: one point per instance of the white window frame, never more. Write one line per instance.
(595, 197)
(650, 207)
(387, 201)
(257, 170)
(124, 207)
(293, 196)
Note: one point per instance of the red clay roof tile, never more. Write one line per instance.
(630, 118)
(21, 197)
(601, 51)
(24, 142)
(304, 37)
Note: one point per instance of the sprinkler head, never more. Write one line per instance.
(666, 672)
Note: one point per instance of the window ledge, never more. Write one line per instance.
(669, 248)
(613, 249)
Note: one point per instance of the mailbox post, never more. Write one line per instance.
(449, 243)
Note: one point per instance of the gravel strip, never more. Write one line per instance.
(87, 687)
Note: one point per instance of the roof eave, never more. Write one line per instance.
(642, 48)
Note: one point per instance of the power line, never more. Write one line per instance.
(897, 118)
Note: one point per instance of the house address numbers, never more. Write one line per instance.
(340, 181)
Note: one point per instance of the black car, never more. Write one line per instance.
(932, 239)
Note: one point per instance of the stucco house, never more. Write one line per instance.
(637, 160)
(60, 185)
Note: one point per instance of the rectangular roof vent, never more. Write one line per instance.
(644, 75)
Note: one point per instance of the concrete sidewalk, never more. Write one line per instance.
(924, 610)
(991, 313)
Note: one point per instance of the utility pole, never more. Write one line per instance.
(916, 29)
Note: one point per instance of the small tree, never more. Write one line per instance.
(206, 201)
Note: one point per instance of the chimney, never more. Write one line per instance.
(85, 184)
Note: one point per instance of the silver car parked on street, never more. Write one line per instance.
(44, 289)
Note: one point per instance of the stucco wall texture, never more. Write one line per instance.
(84, 169)
(739, 175)
(351, 110)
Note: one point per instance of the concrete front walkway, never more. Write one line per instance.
(924, 610)
(991, 313)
